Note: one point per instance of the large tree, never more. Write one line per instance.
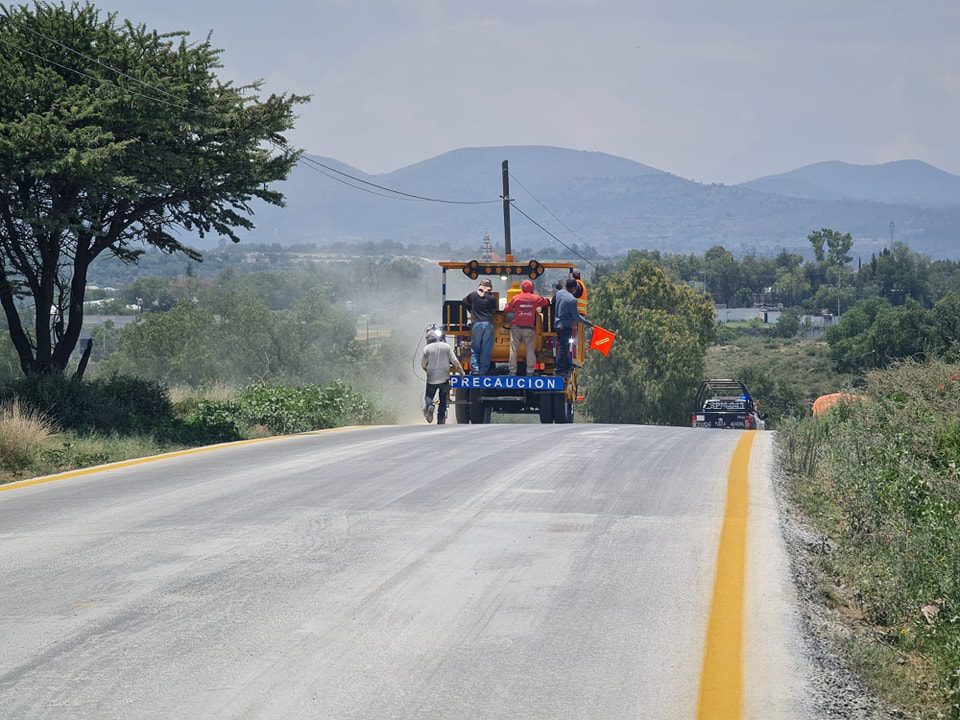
(663, 329)
(114, 137)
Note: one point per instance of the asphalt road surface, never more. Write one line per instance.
(495, 571)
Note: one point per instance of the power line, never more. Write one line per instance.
(405, 194)
(101, 81)
(349, 184)
(180, 101)
(520, 210)
(548, 210)
(185, 106)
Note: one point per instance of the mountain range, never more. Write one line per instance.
(613, 204)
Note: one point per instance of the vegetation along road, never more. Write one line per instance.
(583, 571)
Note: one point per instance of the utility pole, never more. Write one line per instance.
(507, 249)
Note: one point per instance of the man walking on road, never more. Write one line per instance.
(482, 304)
(565, 322)
(523, 329)
(437, 358)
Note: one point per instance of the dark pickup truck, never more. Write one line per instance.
(727, 404)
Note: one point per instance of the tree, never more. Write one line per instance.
(723, 273)
(946, 319)
(789, 323)
(901, 273)
(792, 284)
(114, 137)
(838, 246)
(663, 329)
(874, 333)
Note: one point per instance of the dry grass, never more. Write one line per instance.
(215, 393)
(24, 433)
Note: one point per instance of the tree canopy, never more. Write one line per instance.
(663, 329)
(114, 137)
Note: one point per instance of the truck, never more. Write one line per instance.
(541, 390)
(725, 403)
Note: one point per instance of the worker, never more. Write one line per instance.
(437, 358)
(565, 322)
(482, 304)
(581, 292)
(523, 328)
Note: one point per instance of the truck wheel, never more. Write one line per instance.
(546, 408)
(476, 407)
(559, 408)
(562, 409)
(462, 411)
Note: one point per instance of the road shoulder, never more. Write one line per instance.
(836, 692)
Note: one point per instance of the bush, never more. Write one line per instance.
(888, 469)
(279, 410)
(24, 433)
(789, 323)
(111, 404)
(311, 407)
(209, 421)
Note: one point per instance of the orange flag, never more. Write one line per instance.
(602, 340)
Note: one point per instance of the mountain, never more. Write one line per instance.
(612, 203)
(907, 182)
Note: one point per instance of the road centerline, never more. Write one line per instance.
(721, 680)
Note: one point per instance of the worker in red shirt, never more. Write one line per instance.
(523, 329)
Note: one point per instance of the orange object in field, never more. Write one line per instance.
(825, 402)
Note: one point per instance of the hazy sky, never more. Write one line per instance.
(714, 91)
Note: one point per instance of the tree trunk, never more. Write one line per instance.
(78, 284)
(21, 342)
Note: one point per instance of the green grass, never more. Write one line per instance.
(69, 451)
(804, 363)
(784, 374)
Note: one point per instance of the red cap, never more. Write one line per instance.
(527, 286)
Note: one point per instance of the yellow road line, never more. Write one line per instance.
(163, 456)
(721, 681)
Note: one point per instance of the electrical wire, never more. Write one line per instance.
(311, 162)
(520, 210)
(413, 361)
(101, 81)
(406, 194)
(306, 160)
(553, 214)
(37, 33)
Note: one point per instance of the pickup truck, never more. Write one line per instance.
(727, 404)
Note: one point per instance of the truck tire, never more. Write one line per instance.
(546, 408)
(462, 411)
(562, 408)
(476, 407)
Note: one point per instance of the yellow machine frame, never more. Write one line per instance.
(457, 325)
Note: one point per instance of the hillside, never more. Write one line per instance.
(907, 182)
(615, 204)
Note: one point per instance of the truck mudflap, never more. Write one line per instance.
(535, 383)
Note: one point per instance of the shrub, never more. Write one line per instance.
(24, 432)
(311, 407)
(789, 323)
(209, 421)
(888, 468)
(112, 404)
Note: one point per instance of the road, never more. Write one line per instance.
(496, 571)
